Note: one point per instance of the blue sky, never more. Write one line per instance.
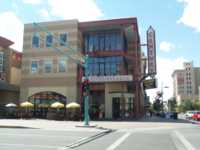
(176, 22)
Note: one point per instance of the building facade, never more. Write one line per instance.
(186, 82)
(10, 72)
(115, 67)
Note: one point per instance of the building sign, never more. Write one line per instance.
(117, 78)
(151, 50)
(150, 84)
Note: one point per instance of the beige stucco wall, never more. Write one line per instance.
(112, 87)
(62, 83)
(15, 76)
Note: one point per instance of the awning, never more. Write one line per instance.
(8, 87)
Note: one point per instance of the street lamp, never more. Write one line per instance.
(162, 93)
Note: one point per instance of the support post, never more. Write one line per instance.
(86, 95)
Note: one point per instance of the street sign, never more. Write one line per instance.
(150, 84)
(151, 51)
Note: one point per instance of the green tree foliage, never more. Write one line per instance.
(187, 105)
(172, 104)
(196, 105)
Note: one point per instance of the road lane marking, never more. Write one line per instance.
(184, 141)
(119, 141)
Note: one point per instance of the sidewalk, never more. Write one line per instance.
(149, 122)
(44, 124)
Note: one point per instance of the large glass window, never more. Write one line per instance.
(63, 39)
(49, 40)
(1, 61)
(34, 66)
(100, 66)
(101, 42)
(35, 41)
(111, 40)
(48, 65)
(62, 65)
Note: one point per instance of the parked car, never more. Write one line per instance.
(189, 114)
(196, 116)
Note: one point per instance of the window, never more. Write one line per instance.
(63, 39)
(100, 66)
(103, 41)
(35, 41)
(90, 44)
(49, 40)
(62, 65)
(48, 66)
(1, 61)
(34, 66)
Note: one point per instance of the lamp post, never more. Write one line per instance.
(162, 93)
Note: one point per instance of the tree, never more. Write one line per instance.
(157, 104)
(172, 104)
(196, 105)
(186, 105)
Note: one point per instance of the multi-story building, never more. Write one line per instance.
(10, 72)
(113, 47)
(186, 82)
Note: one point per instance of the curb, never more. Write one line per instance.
(86, 140)
(195, 122)
(16, 127)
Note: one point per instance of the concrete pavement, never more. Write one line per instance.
(146, 134)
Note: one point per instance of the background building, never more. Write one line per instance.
(10, 72)
(115, 65)
(186, 82)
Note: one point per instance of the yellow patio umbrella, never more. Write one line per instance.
(73, 105)
(57, 105)
(26, 104)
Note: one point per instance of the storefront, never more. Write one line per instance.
(110, 98)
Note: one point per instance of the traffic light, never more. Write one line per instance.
(86, 87)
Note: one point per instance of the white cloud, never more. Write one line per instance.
(44, 13)
(12, 29)
(165, 68)
(166, 46)
(33, 2)
(191, 15)
(75, 9)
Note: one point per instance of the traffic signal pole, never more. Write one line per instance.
(87, 92)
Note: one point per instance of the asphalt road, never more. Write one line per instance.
(39, 139)
(168, 138)
(150, 136)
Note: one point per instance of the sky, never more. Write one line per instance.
(177, 25)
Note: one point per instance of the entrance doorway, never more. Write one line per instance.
(116, 108)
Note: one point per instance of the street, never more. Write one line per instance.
(139, 135)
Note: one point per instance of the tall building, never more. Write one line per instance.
(186, 82)
(115, 66)
(10, 72)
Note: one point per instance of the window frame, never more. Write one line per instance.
(36, 60)
(66, 61)
(50, 44)
(44, 64)
(60, 42)
(32, 45)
